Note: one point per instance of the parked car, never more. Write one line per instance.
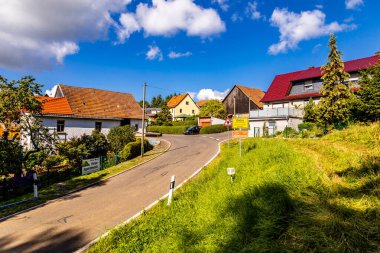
(192, 130)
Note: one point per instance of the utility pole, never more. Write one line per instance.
(143, 121)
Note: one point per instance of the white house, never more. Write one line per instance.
(74, 111)
(290, 92)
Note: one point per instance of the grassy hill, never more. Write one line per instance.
(305, 195)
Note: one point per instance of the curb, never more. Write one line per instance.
(87, 246)
(86, 186)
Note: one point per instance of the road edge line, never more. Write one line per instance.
(87, 246)
(86, 186)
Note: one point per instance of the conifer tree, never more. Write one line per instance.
(309, 112)
(334, 107)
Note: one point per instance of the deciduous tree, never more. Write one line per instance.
(213, 108)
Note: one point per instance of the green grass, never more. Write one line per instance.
(59, 189)
(297, 195)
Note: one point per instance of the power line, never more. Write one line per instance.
(165, 89)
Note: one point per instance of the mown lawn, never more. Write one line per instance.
(289, 195)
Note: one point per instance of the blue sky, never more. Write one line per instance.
(178, 45)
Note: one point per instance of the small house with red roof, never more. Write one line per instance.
(74, 111)
(290, 92)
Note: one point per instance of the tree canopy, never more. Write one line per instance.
(213, 108)
(367, 104)
(164, 117)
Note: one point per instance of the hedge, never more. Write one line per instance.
(167, 129)
(213, 129)
(133, 149)
(185, 123)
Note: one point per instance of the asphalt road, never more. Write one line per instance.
(69, 223)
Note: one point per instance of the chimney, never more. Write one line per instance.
(311, 67)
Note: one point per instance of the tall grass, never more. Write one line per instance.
(288, 195)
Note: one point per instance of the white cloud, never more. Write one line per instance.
(223, 4)
(173, 55)
(211, 94)
(154, 53)
(169, 17)
(128, 26)
(252, 11)
(51, 92)
(352, 4)
(236, 17)
(295, 28)
(35, 33)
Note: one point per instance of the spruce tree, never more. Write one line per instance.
(164, 117)
(334, 107)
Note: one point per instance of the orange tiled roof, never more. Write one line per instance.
(200, 103)
(89, 102)
(254, 94)
(174, 101)
(55, 105)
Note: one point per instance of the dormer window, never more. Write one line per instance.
(308, 86)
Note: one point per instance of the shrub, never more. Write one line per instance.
(289, 132)
(185, 123)
(121, 136)
(306, 126)
(167, 129)
(133, 149)
(213, 129)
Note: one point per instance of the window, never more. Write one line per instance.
(98, 126)
(180, 110)
(136, 127)
(187, 102)
(192, 111)
(60, 126)
(308, 86)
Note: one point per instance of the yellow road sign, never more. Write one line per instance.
(240, 123)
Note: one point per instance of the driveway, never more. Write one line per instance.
(68, 223)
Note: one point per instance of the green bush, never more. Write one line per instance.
(167, 129)
(306, 126)
(289, 132)
(121, 136)
(213, 129)
(133, 149)
(185, 123)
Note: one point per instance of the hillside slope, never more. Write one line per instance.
(300, 195)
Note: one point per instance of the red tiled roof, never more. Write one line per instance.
(200, 103)
(174, 101)
(88, 102)
(55, 105)
(281, 84)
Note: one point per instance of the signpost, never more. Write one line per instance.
(241, 123)
(90, 165)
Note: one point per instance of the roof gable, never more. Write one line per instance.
(281, 84)
(255, 95)
(58, 106)
(89, 102)
(176, 100)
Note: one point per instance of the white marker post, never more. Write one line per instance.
(231, 173)
(172, 183)
(35, 188)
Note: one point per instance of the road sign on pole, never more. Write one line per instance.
(228, 122)
(240, 123)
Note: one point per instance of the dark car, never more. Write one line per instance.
(192, 130)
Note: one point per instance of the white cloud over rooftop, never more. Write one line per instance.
(297, 27)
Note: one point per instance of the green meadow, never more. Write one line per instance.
(288, 195)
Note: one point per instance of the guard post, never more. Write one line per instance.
(172, 184)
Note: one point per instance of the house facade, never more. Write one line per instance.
(241, 100)
(289, 93)
(182, 106)
(74, 111)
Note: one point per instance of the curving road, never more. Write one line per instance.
(69, 223)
